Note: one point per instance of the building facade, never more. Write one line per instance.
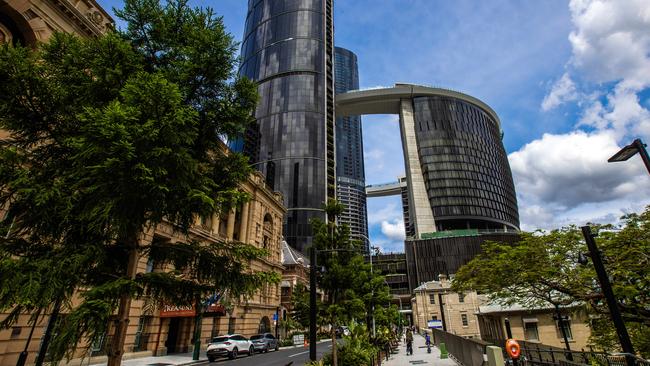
(445, 253)
(156, 329)
(535, 325)
(350, 176)
(457, 172)
(30, 21)
(434, 300)
(288, 48)
(393, 267)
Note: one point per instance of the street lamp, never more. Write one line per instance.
(606, 286)
(629, 151)
(376, 250)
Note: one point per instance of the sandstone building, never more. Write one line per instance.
(154, 329)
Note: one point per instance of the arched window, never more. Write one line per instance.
(265, 325)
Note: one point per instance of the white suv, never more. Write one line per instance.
(229, 345)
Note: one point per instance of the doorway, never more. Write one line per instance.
(172, 335)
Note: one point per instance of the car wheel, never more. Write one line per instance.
(266, 349)
(251, 351)
(277, 346)
(233, 354)
(211, 359)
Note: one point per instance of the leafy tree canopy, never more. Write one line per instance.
(542, 269)
(108, 137)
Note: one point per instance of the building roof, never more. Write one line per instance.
(291, 256)
(445, 284)
(496, 308)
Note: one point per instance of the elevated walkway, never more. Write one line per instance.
(385, 189)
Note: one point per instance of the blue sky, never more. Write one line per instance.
(570, 82)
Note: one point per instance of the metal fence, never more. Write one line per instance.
(465, 351)
(543, 355)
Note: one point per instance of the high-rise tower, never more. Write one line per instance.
(288, 48)
(350, 177)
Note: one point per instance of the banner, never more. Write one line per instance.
(173, 311)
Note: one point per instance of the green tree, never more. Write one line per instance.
(542, 269)
(350, 289)
(300, 305)
(109, 137)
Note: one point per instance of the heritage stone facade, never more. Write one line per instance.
(434, 300)
(157, 330)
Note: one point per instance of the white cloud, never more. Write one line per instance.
(386, 212)
(393, 230)
(565, 179)
(563, 90)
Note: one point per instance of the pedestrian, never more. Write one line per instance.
(409, 342)
(428, 341)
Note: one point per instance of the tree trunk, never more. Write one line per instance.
(45, 342)
(334, 360)
(122, 323)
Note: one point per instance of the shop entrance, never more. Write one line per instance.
(172, 335)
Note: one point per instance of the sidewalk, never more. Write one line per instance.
(420, 355)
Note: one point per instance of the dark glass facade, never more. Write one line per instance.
(288, 49)
(465, 166)
(426, 259)
(350, 177)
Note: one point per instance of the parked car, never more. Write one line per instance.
(230, 346)
(342, 331)
(265, 342)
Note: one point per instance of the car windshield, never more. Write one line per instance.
(219, 339)
(257, 336)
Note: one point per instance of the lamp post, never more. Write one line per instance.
(606, 286)
(312, 304)
(376, 250)
(629, 151)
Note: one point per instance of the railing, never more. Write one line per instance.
(466, 352)
(544, 355)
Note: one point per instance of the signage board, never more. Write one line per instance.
(298, 339)
(434, 324)
(173, 311)
(275, 316)
(215, 309)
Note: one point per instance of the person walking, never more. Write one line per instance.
(409, 342)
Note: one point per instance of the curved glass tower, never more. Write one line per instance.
(464, 165)
(350, 176)
(288, 49)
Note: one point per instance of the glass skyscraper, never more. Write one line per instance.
(350, 177)
(288, 48)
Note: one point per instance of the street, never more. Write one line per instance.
(298, 355)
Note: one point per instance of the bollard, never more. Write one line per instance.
(443, 351)
(495, 356)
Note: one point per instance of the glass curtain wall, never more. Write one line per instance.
(285, 50)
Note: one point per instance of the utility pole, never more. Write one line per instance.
(606, 286)
(312, 303)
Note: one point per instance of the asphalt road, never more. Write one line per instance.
(298, 355)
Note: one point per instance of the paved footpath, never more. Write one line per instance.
(419, 356)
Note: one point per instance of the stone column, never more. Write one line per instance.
(215, 223)
(230, 226)
(243, 226)
(419, 207)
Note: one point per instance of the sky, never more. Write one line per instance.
(570, 82)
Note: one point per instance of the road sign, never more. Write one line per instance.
(275, 316)
(435, 324)
(298, 339)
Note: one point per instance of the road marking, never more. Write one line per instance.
(301, 353)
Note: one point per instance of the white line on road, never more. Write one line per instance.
(301, 353)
